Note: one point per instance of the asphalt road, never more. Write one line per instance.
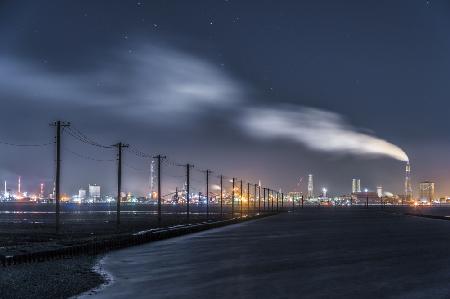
(314, 253)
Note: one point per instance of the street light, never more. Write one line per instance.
(367, 198)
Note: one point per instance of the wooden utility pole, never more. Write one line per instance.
(119, 146)
(264, 199)
(188, 168)
(221, 196)
(259, 199)
(271, 192)
(159, 157)
(254, 201)
(240, 203)
(232, 200)
(207, 192)
(58, 125)
(277, 199)
(248, 198)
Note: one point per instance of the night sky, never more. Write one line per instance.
(260, 90)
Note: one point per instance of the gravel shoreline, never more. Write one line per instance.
(62, 278)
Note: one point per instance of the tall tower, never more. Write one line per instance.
(41, 192)
(18, 186)
(408, 189)
(353, 185)
(358, 186)
(310, 186)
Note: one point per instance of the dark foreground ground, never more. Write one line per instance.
(314, 253)
(27, 224)
(55, 279)
(30, 227)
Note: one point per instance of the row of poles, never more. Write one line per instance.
(269, 193)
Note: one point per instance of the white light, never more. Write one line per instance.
(365, 190)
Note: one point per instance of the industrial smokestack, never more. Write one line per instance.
(408, 188)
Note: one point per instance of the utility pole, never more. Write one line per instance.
(248, 198)
(277, 201)
(188, 168)
(221, 195)
(159, 157)
(232, 201)
(302, 201)
(282, 200)
(272, 198)
(240, 204)
(367, 200)
(259, 199)
(58, 124)
(254, 201)
(264, 199)
(207, 192)
(293, 203)
(119, 146)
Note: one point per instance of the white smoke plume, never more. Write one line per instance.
(318, 130)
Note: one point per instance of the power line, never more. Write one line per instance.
(87, 157)
(77, 134)
(26, 145)
(90, 140)
(172, 163)
(135, 168)
(139, 153)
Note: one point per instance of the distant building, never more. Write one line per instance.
(295, 196)
(380, 191)
(82, 195)
(310, 186)
(94, 192)
(363, 197)
(356, 185)
(426, 191)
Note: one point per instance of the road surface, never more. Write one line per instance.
(313, 253)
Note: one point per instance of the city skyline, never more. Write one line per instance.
(308, 190)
